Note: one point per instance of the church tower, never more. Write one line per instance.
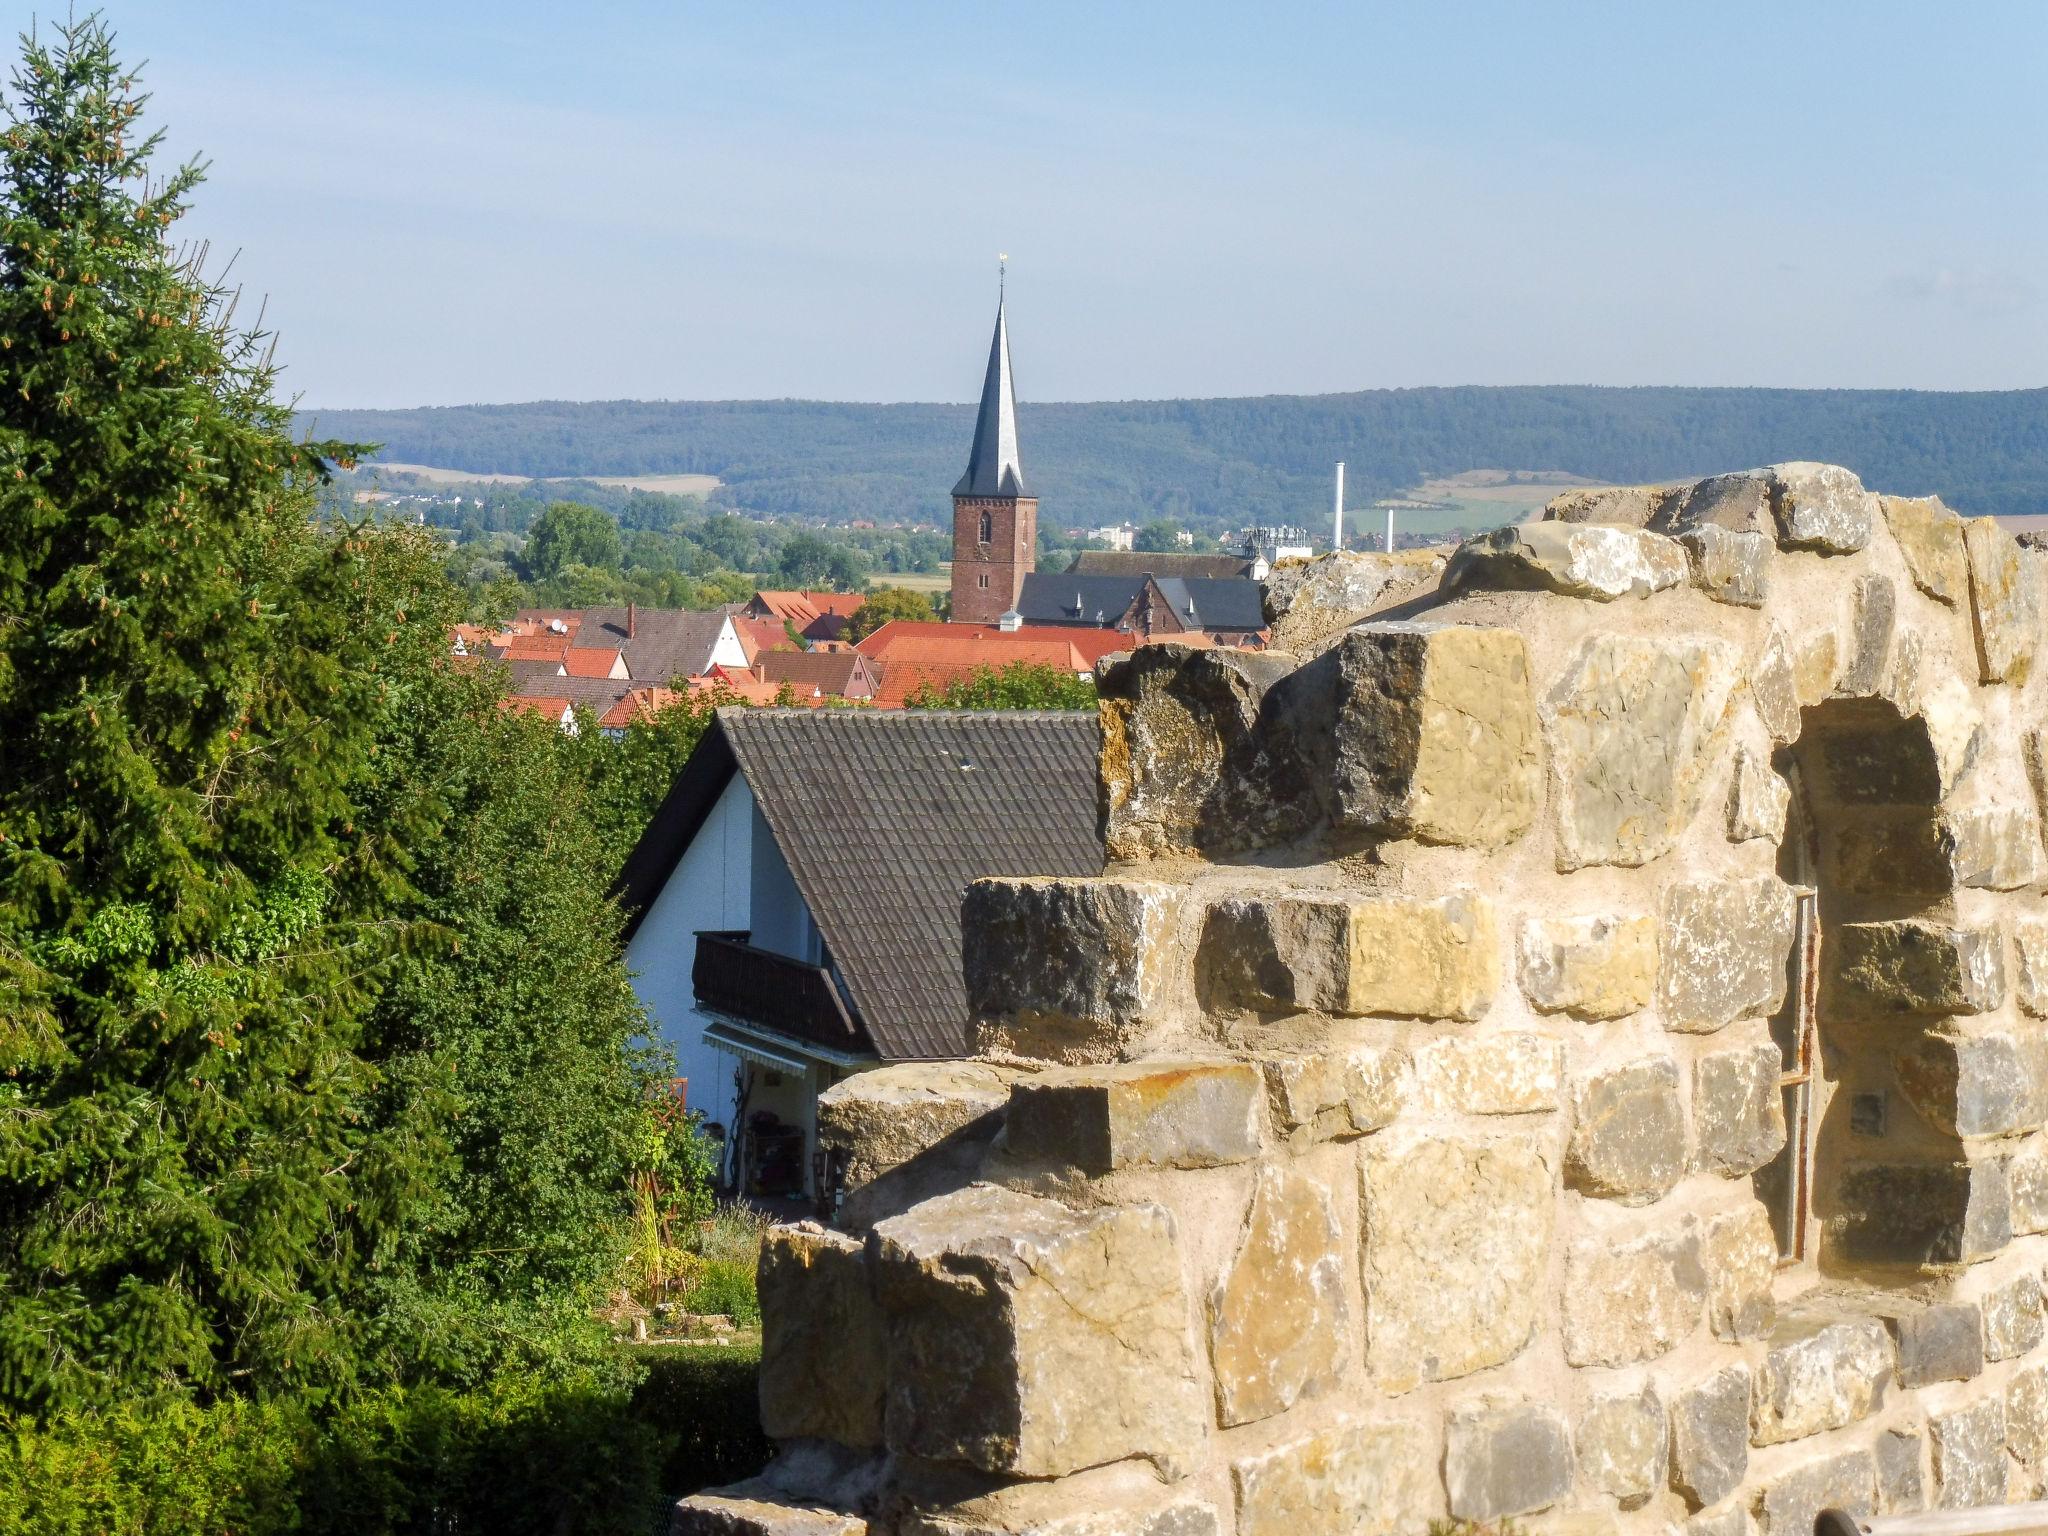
(995, 518)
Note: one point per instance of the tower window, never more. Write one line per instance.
(988, 530)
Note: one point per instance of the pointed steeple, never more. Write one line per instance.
(992, 467)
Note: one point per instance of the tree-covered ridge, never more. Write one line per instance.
(1216, 463)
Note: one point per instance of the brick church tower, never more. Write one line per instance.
(995, 518)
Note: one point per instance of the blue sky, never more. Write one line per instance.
(451, 201)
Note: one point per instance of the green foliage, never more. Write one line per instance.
(1021, 685)
(569, 534)
(886, 603)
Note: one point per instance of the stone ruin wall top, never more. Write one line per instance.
(1376, 1139)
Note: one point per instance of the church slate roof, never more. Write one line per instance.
(884, 817)
(993, 468)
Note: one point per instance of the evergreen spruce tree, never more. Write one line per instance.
(187, 1186)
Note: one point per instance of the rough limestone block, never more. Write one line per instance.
(1995, 847)
(1183, 765)
(2005, 602)
(1824, 1369)
(2026, 1413)
(1710, 1437)
(1631, 1301)
(1973, 1085)
(1738, 1115)
(1068, 970)
(1940, 1341)
(2030, 950)
(2027, 1178)
(1846, 1480)
(1923, 1213)
(2012, 1317)
(1875, 612)
(1740, 1255)
(1390, 956)
(1512, 1073)
(1914, 967)
(1279, 1319)
(1352, 1479)
(1772, 688)
(1456, 1243)
(1757, 801)
(821, 1338)
(1628, 1132)
(713, 1514)
(1436, 734)
(1505, 1460)
(1591, 560)
(1591, 967)
(1730, 566)
(1901, 1484)
(1633, 726)
(1821, 507)
(1724, 951)
(1335, 1095)
(1931, 538)
(1969, 1455)
(1139, 1114)
(1621, 1446)
(1030, 1340)
(884, 1118)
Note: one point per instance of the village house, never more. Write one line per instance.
(794, 907)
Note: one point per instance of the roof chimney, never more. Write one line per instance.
(632, 618)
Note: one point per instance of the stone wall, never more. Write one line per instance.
(1390, 1132)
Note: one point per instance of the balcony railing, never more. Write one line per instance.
(758, 986)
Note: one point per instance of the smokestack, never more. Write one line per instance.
(632, 618)
(1337, 534)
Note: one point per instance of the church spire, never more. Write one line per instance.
(992, 467)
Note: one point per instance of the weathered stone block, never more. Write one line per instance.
(1511, 1073)
(1590, 967)
(1943, 1341)
(2026, 1413)
(1621, 1446)
(1823, 1370)
(2030, 951)
(1335, 1095)
(1846, 1481)
(1757, 800)
(1740, 1255)
(1456, 1243)
(1969, 1455)
(1029, 1340)
(2012, 1316)
(1738, 1114)
(1633, 726)
(714, 1514)
(2027, 1178)
(1870, 638)
(1391, 956)
(821, 1338)
(1710, 1437)
(1068, 970)
(1725, 948)
(1593, 560)
(1982, 1085)
(1140, 1114)
(1995, 847)
(2005, 602)
(1279, 1319)
(1914, 967)
(1923, 1213)
(1628, 1133)
(1730, 566)
(1901, 1485)
(1931, 538)
(1631, 1301)
(1820, 507)
(1352, 1479)
(1501, 1461)
(882, 1119)
(1436, 734)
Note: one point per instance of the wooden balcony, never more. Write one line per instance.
(771, 991)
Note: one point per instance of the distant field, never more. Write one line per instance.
(674, 485)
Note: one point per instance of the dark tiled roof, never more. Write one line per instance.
(1125, 562)
(666, 643)
(884, 818)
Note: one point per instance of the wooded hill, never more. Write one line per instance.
(1217, 463)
